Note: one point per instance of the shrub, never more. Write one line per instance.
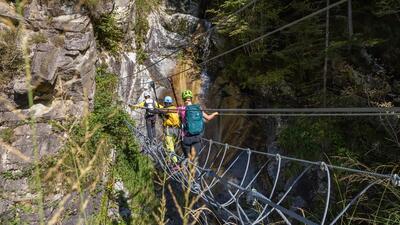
(306, 137)
(38, 38)
(108, 34)
(11, 58)
(7, 135)
(143, 8)
(134, 169)
(89, 148)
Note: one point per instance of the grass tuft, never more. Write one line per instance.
(11, 57)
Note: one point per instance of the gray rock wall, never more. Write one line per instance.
(62, 53)
(171, 25)
(63, 57)
(66, 58)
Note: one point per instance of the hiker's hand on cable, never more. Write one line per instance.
(158, 111)
(134, 107)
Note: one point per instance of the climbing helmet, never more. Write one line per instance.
(168, 99)
(187, 94)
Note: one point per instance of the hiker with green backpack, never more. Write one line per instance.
(192, 120)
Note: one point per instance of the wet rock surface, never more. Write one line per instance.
(170, 26)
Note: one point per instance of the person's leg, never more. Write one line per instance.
(174, 135)
(195, 150)
(196, 146)
(190, 145)
(185, 147)
(148, 128)
(193, 153)
(170, 143)
(153, 127)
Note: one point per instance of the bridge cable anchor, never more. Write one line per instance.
(323, 166)
(396, 180)
(277, 157)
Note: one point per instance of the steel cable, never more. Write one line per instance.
(254, 40)
(385, 176)
(291, 110)
(205, 189)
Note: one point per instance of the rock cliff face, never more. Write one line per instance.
(62, 53)
(170, 26)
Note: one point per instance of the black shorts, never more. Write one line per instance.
(191, 141)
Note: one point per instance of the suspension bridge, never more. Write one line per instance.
(245, 204)
(244, 198)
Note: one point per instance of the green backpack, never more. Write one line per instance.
(194, 124)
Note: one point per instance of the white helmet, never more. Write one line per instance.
(146, 93)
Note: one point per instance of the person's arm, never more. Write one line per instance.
(209, 117)
(159, 109)
(140, 105)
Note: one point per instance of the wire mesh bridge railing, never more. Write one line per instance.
(230, 181)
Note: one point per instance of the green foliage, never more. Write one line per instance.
(289, 64)
(274, 66)
(141, 55)
(387, 7)
(7, 135)
(250, 22)
(89, 148)
(134, 169)
(102, 216)
(108, 34)
(141, 26)
(90, 3)
(286, 69)
(38, 38)
(305, 138)
(234, 26)
(16, 210)
(11, 60)
(360, 139)
(16, 175)
(350, 142)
